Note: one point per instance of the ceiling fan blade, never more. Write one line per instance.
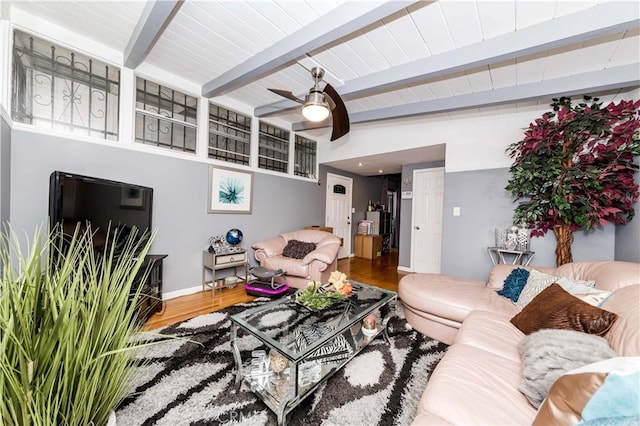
(339, 114)
(287, 94)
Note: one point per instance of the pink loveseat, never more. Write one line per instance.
(477, 380)
(316, 266)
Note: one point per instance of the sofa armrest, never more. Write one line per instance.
(325, 254)
(270, 248)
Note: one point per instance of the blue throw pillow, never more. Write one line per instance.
(514, 284)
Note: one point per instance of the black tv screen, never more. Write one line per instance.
(98, 203)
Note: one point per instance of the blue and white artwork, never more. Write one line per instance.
(229, 190)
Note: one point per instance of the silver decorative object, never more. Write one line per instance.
(309, 373)
(512, 239)
(259, 373)
(523, 238)
(501, 238)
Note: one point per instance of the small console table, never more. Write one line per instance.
(501, 255)
(213, 262)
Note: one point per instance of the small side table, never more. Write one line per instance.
(213, 262)
(517, 257)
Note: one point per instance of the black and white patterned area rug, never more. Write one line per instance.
(185, 383)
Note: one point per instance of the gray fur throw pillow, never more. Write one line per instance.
(547, 354)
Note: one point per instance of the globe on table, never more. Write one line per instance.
(234, 236)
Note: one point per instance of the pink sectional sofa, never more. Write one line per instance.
(477, 380)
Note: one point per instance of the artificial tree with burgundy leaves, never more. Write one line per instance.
(575, 169)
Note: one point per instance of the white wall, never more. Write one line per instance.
(472, 143)
(475, 139)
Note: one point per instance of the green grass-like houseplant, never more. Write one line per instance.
(66, 350)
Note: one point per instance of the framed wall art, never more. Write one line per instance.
(230, 191)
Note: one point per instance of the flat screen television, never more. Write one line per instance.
(99, 203)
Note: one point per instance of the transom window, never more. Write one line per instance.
(273, 148)
(229, 135)
(165, 117)
(305, 157)
(57, 88)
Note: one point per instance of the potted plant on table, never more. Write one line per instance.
(575, 169)
(67, 317)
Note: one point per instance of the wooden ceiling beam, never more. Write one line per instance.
(598, 21)
(157, 14)
(586, 83)
(338, 23)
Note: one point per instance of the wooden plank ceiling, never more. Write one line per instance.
(387, 59)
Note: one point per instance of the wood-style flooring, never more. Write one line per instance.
(381, 272)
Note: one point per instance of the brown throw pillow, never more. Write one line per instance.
(555, 308)
(298, 249)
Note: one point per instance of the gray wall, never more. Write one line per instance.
(180, 198)
(5, 170)
(406, 206)
(485, 205)
(365, 188)
(628, 236)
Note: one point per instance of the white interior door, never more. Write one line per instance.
(338, 214)
(426, 222)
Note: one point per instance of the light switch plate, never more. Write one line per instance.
(456, 211)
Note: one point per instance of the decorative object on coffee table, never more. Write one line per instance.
(369, 325)
(278, 364)
(318, 296)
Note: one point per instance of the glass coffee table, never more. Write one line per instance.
(305, 347)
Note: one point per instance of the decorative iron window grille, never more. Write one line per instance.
(305, 157)
(273, 148)
(165, 117)
(229, 135)
(56, 88)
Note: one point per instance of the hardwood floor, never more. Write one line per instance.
(381, 272)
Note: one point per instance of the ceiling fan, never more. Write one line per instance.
(318, 103)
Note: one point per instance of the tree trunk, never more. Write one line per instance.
(564, 236)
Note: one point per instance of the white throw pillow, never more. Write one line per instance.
(595, 298)
(578, 287)
(538, 281)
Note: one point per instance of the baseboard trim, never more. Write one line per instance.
(183, 292)
(404, 269)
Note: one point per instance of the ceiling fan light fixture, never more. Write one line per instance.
(315, 107)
